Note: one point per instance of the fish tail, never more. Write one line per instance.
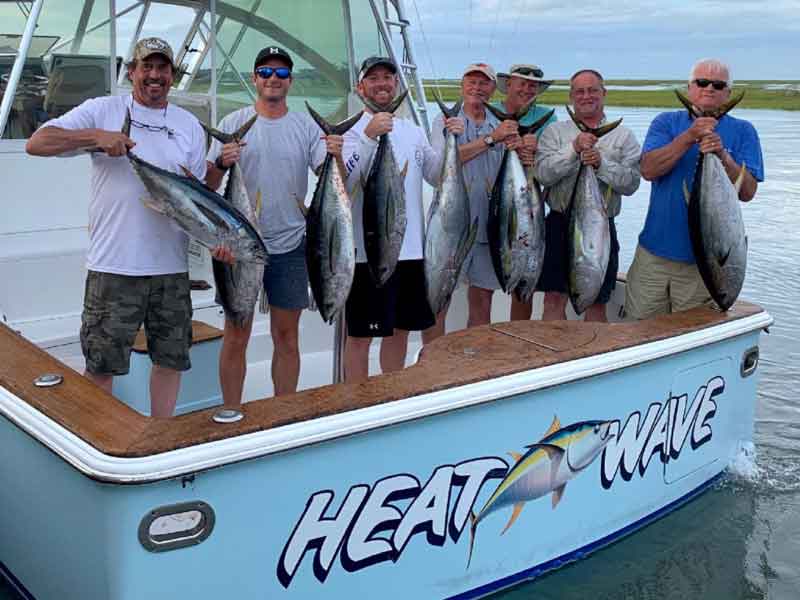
(448, 112)
(338, 128)
(473, 525)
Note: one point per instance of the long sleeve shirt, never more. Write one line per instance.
(410, 146)
(557, 165)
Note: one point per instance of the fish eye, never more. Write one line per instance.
(597, 428)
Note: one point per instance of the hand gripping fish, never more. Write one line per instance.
(239, 284)
(716, 226)
(330, 245)
(384, 207)
(200, 212)
(589, 234)
(515, 226)
(451, 228)
(544, 469)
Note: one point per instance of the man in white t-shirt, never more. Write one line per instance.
(137, 258)
(275, 157)
(400, 305)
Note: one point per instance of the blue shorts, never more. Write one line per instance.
(286, 279)
(554, 272)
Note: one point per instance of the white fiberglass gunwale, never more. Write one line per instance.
(103, 467)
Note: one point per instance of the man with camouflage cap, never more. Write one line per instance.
(137, 259)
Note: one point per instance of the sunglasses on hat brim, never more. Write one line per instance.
(527, 71)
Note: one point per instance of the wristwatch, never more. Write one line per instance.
(489, 141)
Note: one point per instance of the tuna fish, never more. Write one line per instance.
(589, 235)
(716, 226)
(239, 284)
(451, 229)
(384, 212)
(330, 245)
(516, 241)
(544, 469)
(200, 212)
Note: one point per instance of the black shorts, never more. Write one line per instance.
(554, 270)
(400, 304)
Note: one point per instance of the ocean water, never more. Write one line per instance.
(741, 539)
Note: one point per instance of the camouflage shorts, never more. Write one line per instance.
(114, 308)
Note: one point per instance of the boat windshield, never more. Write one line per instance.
(69, 58)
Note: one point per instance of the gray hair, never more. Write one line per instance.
(716, 65)
(593, 72)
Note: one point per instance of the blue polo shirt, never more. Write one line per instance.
(666, 229)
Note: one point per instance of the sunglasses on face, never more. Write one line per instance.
(715, 83)
(266, 72)
(528, 71)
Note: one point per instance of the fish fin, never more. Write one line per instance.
(342, 127)
(515, 455)
(554, 426)
(534, 127)
(499, 113)
(301, 205)
(686, 194)
(558, 493)
(466, 243)
(189, 174)
(693, 112)
(153, 204)
(739, 180)
(221, 136)
(473, 525)
(239, 134)
(517, 509)
(126, 123)
(578, 123)
(724, 258)
(448, 112)
(404, 171)
(552, 450)
(608, 127)
(263, 301)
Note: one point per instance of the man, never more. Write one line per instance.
(137, 259)
(563, 148)
(282, 147)
(481, 147)
(521, 85)
(664, 277)
(400, 305)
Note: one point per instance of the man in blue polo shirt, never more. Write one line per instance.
(664, 277)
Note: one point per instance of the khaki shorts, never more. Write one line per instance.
(115, 306)
(657, 286)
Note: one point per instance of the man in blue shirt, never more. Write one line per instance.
(664, 277)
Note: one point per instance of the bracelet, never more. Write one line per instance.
(218, 164)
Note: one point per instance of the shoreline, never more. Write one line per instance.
(757, 95)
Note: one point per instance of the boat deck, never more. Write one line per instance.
(460, 358)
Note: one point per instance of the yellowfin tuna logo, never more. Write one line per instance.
(545, 469)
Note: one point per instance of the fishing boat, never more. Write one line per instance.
(499, 453)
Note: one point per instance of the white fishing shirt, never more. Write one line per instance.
(411, 146)
(126, 237)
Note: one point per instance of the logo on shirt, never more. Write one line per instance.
(418, 157)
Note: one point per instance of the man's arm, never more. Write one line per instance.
(657, 163)
(623, 176)
(555, 159)
(470, 150)
(52, 141)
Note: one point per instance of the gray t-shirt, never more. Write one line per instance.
(481, 171)
(275, 162)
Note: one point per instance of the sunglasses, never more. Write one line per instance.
(528, 71)
(281, 72)
(715, 83)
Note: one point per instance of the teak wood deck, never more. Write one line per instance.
(459, 358)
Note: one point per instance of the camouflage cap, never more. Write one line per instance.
(148, 46)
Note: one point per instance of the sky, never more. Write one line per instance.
(621, 39)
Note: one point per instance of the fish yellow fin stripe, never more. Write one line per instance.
(554, 426)
(517, 509)
(686, 194)
(404, 171)
(557, 494)
(739, 180)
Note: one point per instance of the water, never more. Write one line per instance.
(741, 539)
